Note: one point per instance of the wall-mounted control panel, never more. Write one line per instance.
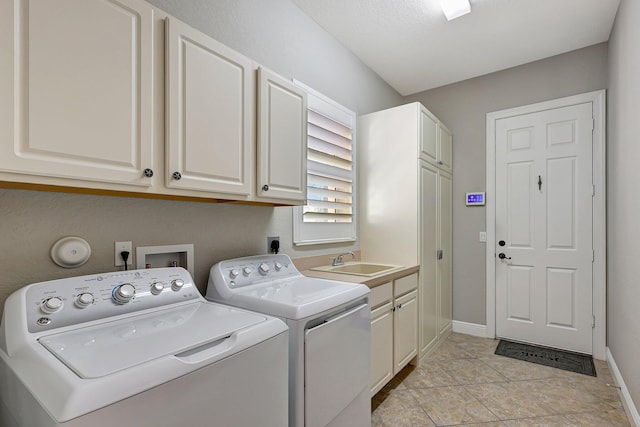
(74, 300)
(475, 199)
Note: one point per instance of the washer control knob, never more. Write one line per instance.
(157, 288)
(247, 271)
(84, 300)
(278, 266)
(51, 305)
(234, 273)
(124, 293)
(264, 269)
(177, 284)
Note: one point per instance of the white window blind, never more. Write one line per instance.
(329, 170)
(330, 213)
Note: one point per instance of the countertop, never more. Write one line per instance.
(370, 281)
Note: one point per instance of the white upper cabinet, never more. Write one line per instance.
(445, 155)
(209, 104)
(76, 82)
(435, 141)
(428, 136)
(88, 87)
(282, 136)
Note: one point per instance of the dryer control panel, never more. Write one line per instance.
(242, 272)
(75, 300)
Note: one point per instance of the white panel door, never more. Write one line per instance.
(428, 136)
(544, 228)
(209, 104)
(445, 147)
(428, 256)
(78, 101)
(381, 347)
(282, 138)
(405, 330)
(445, 297)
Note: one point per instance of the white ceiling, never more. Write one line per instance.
(412, 46)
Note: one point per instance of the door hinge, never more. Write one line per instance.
(593, 255)
(593, 321)
(593, 124)
(593, 190)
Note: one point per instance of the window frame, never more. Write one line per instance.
(314, 233)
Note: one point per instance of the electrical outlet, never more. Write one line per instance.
(483, 236)
(120, 247)
(270, 240)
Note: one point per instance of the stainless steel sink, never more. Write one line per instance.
(359, 268)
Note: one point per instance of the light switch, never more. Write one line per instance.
(483, 236)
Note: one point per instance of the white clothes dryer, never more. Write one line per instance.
(329, 335)
(138, 348)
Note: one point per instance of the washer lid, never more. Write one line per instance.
(104, 349)
(298, 297)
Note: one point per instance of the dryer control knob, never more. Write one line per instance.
(84, 300)
(157, 288)
(234, 273)
(278, 266)
(264, 269)
(247, 271)
(124, 293)
(51, 305)
(177, 284)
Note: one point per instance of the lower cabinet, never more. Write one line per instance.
(394, 328)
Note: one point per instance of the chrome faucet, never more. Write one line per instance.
(339, 260)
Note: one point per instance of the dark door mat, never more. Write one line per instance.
(561, 359)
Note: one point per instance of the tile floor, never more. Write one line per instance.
(464, 383)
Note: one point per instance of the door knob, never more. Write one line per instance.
(502, 243)
(503, 256)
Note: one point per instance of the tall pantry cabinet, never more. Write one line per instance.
(405, 184)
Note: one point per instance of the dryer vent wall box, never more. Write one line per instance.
(165, 256)
(475, 199)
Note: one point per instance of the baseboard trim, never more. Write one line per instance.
(627, 401)
(470, 329)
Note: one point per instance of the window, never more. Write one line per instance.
(330, 213)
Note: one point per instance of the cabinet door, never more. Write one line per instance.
(209, 104)
(445, 297)
(381, 347)
(428, 136)
(405, 330)
(445, 147)
(428, 278)
(76, 82)
(282, 138)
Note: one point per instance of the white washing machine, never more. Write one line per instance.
(138, 348)
(329, 335)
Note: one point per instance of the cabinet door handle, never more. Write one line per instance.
(148, 173)
(176, 176)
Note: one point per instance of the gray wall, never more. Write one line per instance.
(274, 33)
(463, 107)
(278, 35)
(623, 195)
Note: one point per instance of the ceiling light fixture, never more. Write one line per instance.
(455, 8)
